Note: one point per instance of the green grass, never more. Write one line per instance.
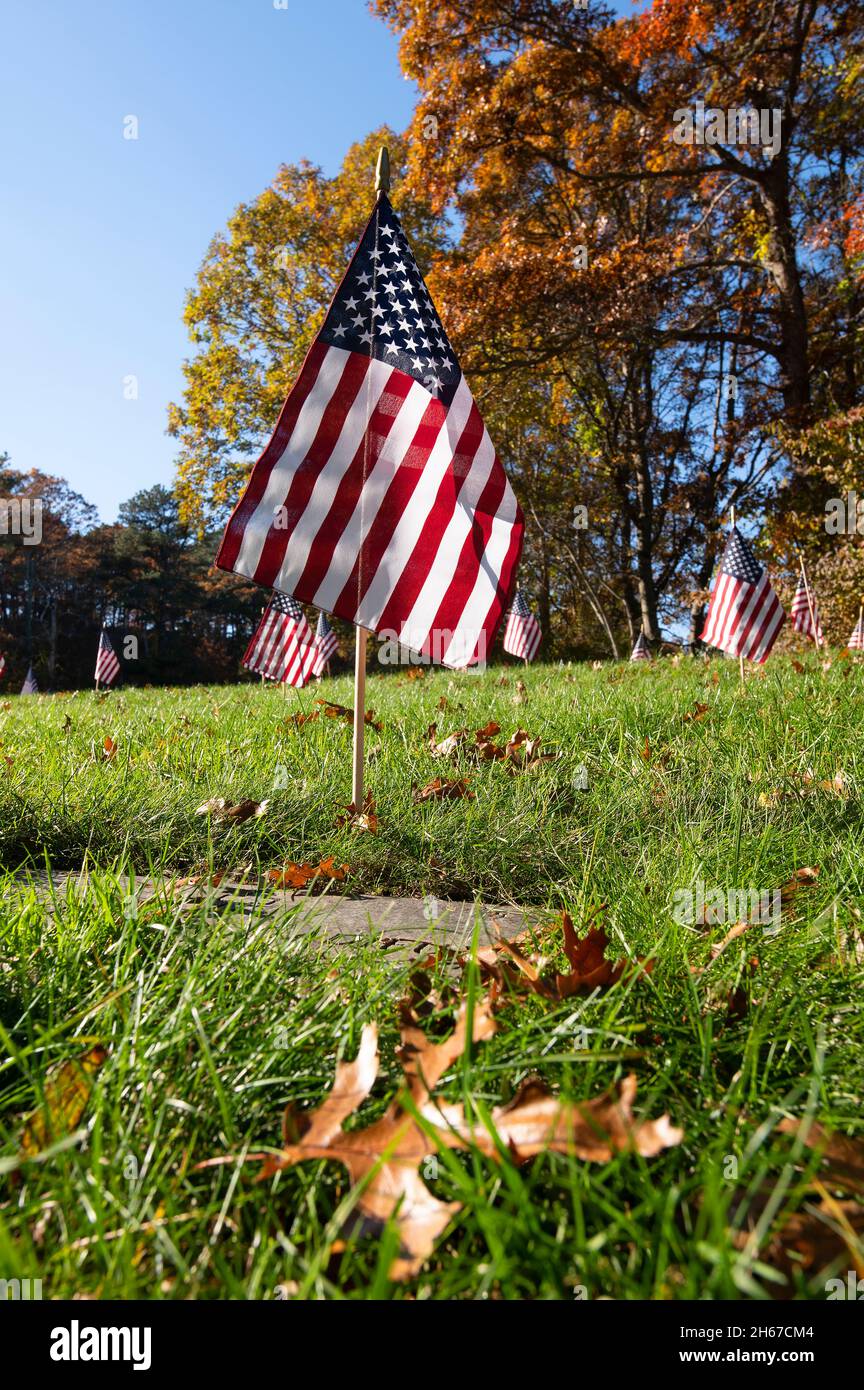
(212, 1022)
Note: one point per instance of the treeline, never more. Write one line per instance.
(173, 619)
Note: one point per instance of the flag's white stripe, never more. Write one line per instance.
(759, 639)
(751, 615)
(392, 458)
(473, 618)
(442, 571)
(410, 524)
(258, 526)
(715, 613)
(314, 517)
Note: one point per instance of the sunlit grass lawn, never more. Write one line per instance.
(212, 1023)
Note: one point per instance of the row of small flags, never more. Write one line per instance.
(284, 647)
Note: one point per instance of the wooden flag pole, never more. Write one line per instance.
(740, 658)
(382, 186)
(809, 602)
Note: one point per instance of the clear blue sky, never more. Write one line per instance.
(100, 237)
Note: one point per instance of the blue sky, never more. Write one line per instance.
(101, 236)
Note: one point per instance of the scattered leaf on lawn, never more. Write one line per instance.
(385, 1156)
(698, 712)
(444, 789)
(357, 819)
(801, 878)
(331, 710)
(294, 721)
(842, 1158)
(219, 809)
(67, 1091)
(293, 875)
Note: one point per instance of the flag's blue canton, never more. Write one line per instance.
(383, 310)
(520, 607)
(284, 603)
(739, 561)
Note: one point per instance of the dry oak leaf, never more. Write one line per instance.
(385, 1155)
(333, 711)
(698, 712)
(586, 956)
(109, 749)
(67, 1091)
(444, 789)
(237, 812)
(360, 819)
(842, 1158)
(293, 875)
(801, 878)
(294, 721)
(447, 746)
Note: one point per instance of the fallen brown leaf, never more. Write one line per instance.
(239, 811)
(384, 1157)
(293, 875)
(444, 789)
(67, 1091)
(356, 818)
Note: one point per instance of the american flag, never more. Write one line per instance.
(326, 643)
(522, 633)
(641, 650)
(800, 610)
(380, 497)
(30, 686)
(2, 664)
(107, 665)
(856, 641)
(283, 647)
(744, 615)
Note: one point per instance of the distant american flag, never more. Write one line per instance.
(2, 664)
(744, 615)
(283, 648)
(326, 644)
(641, 650)
(107, 665)
(30, 686)
(380, 497)
(800, 610)
(856, 641)
(522, 634)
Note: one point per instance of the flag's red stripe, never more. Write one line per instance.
(304, 477)
(256, 486)
(393, 504)
(470, 558)
(406, 590)
(383, 421)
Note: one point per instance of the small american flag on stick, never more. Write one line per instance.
(2, 664)
(803, 620)
(30, 686)
(744, 615)
(856, 641)
(380, 496)
(283, 647)
(107, 665)
(522, 634)
(641, 650)
(326, 643)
